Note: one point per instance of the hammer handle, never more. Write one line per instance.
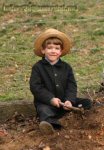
(71, 108)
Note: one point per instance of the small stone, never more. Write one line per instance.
(46, 148)
(11, 21)
(90, 137)
(13, 38)
(67, 136)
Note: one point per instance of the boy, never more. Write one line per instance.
(52, 80)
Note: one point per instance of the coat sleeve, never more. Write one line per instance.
(71, 89)
(37, 87)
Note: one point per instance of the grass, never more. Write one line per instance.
(19, 28)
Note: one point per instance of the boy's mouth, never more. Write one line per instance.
(53, 55)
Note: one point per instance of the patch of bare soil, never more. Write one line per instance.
(81, 131)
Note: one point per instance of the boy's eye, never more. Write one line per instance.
(49, 47)
(57, 48)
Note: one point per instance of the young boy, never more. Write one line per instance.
(52, 80)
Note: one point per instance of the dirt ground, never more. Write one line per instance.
(81, 131)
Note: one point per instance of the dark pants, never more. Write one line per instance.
(51, 114)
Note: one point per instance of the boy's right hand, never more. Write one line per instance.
(55, 102)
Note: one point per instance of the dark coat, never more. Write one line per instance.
(48, 81)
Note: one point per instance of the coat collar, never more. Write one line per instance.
(59, 63)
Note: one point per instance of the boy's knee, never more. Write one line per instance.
(45, 110)
(86, 103)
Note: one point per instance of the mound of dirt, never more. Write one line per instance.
(81, 131)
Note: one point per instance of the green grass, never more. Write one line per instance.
(20, 26)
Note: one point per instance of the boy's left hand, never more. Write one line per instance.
(67, 105)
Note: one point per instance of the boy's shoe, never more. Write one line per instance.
(46, 127)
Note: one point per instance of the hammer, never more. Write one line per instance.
(75, 109)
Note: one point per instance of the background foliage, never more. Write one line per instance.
(21, 21)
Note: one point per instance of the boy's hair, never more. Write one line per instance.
(52, 40)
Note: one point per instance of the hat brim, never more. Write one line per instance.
(52, 33)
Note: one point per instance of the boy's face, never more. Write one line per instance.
(52, 52)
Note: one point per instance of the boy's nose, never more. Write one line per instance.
(53, 49)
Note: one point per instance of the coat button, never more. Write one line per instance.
(55, 74)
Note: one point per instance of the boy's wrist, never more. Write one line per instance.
(51, 100)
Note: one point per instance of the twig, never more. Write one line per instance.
(90, 96)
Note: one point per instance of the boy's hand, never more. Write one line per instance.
(67, 105)
(55, 102)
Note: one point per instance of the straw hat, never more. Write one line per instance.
(52, 33)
